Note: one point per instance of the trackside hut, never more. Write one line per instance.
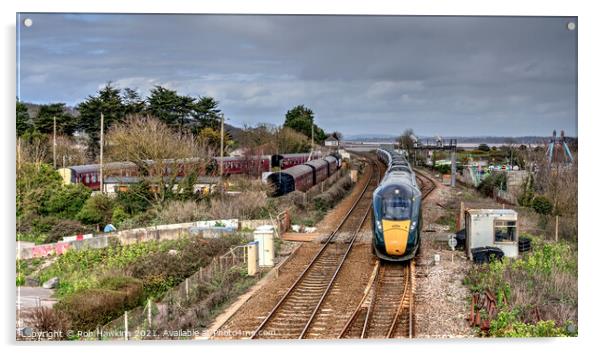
(492, 228)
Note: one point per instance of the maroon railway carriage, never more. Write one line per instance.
(320, 170)
(300, 177)
(333, 164)
(240, 165)
(89, 175)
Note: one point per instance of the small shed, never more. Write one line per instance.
(492, 228)
(331, 140)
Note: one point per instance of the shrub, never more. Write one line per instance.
(64, 228)
(545, 278)
(67, 201)
(183, 211)
(491, 182)
(246, 205)
(98, 209)
(35, 185)
(119, 216)
(329, 198)
(136, 199)
(542, 205)
(48, 320)
(443, 169)
(507, 324)
(90, 308)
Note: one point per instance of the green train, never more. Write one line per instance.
(396, 216)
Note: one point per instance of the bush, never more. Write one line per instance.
(67, 201)
(545, 278)
(119, 216)
(65, 228)
(542, 205)
(136, 199)
(491, 182)
(183, 211)
(246, 205)
(48, 320)
(90, 308)
(36, 183)
(98, 209)
(507, 324)
(160, 271)
(329, 198)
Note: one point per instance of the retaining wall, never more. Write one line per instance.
(207, 229)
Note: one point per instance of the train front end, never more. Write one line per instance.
(396, 222)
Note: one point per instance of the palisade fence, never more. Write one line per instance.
(181, 308)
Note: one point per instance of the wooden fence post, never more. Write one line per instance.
(556, 229)
(186, 288)
(149, 315)
(125, 320)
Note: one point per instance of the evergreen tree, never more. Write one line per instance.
(65, 122)
(169, 107)
(23, 119)
(133, 102)
(301, 119)
(205, 113)
(110, 103)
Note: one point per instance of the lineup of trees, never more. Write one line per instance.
(199, 116)
(183, 112)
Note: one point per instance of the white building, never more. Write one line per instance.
(492, 228)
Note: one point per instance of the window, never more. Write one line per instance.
(93, 178)
(396, 208)
(87, 178)
(504, 231)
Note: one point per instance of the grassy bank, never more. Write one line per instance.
(537, 293)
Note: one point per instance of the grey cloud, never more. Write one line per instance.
(360, 74)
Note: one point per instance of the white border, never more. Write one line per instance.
(589, 134)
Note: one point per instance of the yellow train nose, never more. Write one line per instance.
(396, 236)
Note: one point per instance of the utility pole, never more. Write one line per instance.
(54, 143)
(312, 140)
(102, 121)
(221, 161)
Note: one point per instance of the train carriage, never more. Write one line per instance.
(299, 178)
(320, 170)
(333, 164)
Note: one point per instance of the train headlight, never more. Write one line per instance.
(379, 225)
(413, 226)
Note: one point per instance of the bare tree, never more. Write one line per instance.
(162, 156)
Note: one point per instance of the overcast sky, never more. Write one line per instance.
(378, 75)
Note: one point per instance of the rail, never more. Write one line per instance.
(319, 280)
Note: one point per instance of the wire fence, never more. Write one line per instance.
(183, 308)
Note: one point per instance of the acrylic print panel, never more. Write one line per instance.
(295, 177)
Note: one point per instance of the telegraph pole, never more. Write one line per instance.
(102, 120)
(312, 140)
(54, 142)
(221, 161)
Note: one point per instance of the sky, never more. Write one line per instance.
(450, 76)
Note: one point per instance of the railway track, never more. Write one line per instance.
(300, 312)
(387, 309)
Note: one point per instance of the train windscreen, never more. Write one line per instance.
(396, 203)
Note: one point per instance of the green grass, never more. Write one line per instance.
(545, 278)
(80, 270)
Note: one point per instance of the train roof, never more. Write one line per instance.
(330, 158)
(400, 178)
(317, 163)
(96, 167)
(300, 154)
(295, 171)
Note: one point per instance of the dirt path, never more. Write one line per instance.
(441, 305)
